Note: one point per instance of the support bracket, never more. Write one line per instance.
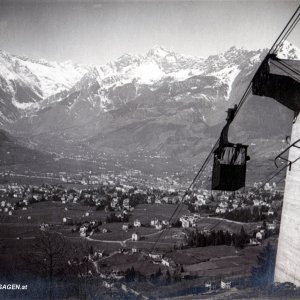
(279, 156)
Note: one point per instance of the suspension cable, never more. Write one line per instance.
(286, 35)
(282, 69)
(288, 67)
(280, 38)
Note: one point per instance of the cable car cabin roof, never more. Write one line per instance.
(231, 145)
(285, 67)
(279, 79)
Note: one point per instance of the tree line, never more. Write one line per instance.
(195, 238)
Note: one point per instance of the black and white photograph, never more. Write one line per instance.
(149, 149)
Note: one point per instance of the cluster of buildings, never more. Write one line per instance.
(222, 202)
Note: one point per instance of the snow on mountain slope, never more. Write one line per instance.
(288, 51)
(156, 65)
(42, 77)
(55, 77)
(161, 101)
(133, 84)
(227, 76)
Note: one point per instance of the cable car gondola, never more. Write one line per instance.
(279, 79)
(229, 165)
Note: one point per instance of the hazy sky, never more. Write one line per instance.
(95, 32)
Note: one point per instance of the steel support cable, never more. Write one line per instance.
(282, 69)
(288, 32)
(274, 174)
(284, 29)
(287, 66)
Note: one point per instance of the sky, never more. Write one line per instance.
(96, 32)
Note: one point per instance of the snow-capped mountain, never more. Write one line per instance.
(30, 85)
(24, 83)
(161, 101)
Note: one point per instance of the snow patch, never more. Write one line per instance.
(148, 73)
(227, 76)
(23, 106)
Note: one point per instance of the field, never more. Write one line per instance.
(17, 232)
(216, 224)
(146, 212)
(19, 226)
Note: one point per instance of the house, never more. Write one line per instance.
(165, 262)
(225, 284)
(157, 201)
(67, 221)
(254, 242)
(270, 212)
(97, 255)
(125, 227)
(114, 202)
(158, 226)
(155, 256)
(126, 203)
(185, 223)
(83, 231)
(211, 285)
(235, 205)
(104, 230)
(137, 223)
(271, 226)
(168, 262)
(165, 200)
(208, 284)
(107, 285)
(200, 200)
(44, 227)
(37, 197)
(154, 222)
(256, 202)
(221, 210)
(260, 234)
(135, 237)
(165, 222)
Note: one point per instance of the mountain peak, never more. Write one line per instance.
(288, 51)
(158, 51)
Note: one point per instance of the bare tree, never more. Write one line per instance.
(48, 257)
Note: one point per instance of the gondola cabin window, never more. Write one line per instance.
(232, 156)
(229, 170)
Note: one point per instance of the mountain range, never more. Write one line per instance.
(161, 103)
